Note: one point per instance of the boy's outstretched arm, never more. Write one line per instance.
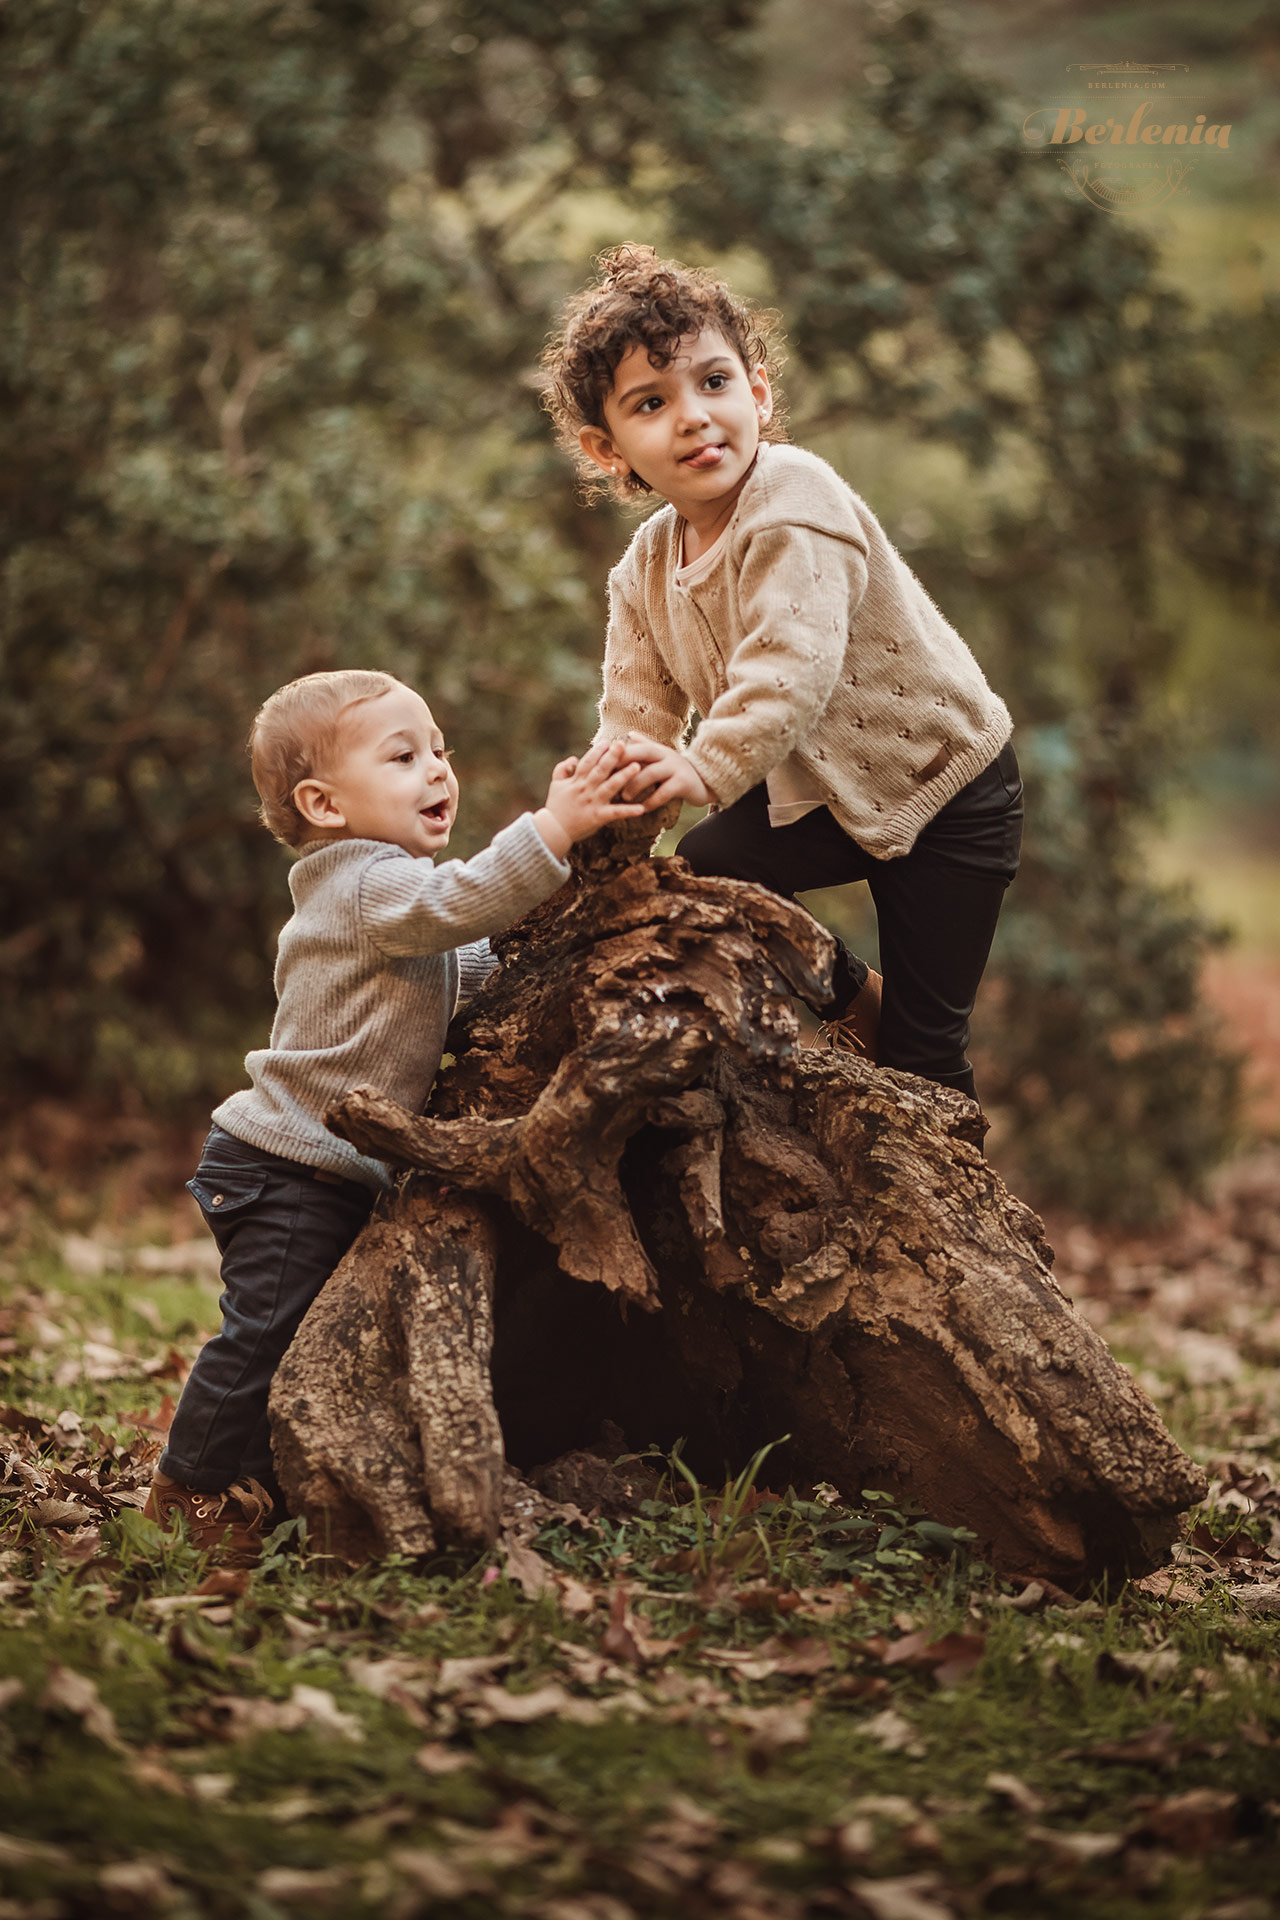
(663, 774)
(583, 796)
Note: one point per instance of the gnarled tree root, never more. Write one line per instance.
(817, 1247)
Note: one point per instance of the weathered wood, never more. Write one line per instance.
(820, 1247)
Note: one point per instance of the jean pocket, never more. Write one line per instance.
(221, 1192)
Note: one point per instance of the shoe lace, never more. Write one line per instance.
(249, 1495)
(842, 1035)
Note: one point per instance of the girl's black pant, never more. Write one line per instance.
(937, 906)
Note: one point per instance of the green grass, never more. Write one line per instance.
(653, 1784)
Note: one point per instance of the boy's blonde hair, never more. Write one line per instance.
(642, 300)
(293, 736)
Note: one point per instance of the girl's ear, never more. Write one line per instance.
(763, 393)
(597, 446)
(316, 804)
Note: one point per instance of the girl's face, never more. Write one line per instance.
(691, 429)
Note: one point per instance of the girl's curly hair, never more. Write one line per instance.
(641, 300)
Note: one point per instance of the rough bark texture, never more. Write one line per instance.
(815, 1246)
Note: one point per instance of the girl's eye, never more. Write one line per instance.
(651, 401)
(717, 380)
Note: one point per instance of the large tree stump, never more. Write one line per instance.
(640, 1199)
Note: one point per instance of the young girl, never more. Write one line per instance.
(847, 732)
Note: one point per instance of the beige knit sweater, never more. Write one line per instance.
(380, 951)
(811, 637)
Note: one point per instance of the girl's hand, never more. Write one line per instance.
(664, 774)
(583, 796)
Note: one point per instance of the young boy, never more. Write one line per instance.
(847, 731)
(383, 945)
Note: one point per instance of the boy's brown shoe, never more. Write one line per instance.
(229, 1524)
(858, 1029)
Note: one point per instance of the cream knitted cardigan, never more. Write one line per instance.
(812, 637)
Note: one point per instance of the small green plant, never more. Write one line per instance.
(717, 1524)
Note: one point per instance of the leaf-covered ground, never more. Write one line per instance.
(740, 1704)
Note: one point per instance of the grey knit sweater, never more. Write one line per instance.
(381, 950)
(809, 640)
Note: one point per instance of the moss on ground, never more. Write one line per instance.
(760, 1706)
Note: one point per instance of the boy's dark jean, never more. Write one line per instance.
(281, 1233)
(936, 906)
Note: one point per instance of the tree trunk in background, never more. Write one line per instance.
(642, 1201)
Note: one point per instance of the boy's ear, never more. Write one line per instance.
(317, 805)
(597, 446)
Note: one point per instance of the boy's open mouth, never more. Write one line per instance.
(438, 815)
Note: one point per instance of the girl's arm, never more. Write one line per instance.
(639, 695)
(798, 589)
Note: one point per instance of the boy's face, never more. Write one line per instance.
(691, 429)
(387, 778)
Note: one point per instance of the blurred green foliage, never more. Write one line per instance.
(278, 274)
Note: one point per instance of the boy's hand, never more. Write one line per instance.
(664, 774)
(583, 796)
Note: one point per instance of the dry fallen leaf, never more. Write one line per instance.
(59, 1513)
(1170, 1584)
(826, 1602)
(216, 1786)
(1033, 1595)
(886, 1806)
(797, 1656)
(893, 1732)
(1008, 1787)
(746, 1662)
(224, 1583)
(626, 1639)
(530, 1572)
(1144, 1669)
(688, 1694)
(379, 1677)
(770, 1728)
(662, 1868)
(576, 1599)
(70, 1692)
(912, 1896)
(436, 1758)
(303, 1886)
(952, 1657)
(1155, 1746)
(514, 1839)
(1257, 1600)
(687, 1824)
(1077, 1848)
(1195, 1821)
(135, 1886)
(491, 1704)
(311, 1707)
(588, 1668)
(434, 1875)
(455, 1676)
(150, 1769)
